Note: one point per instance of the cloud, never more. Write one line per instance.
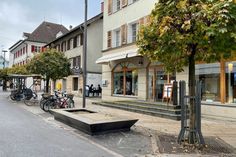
(18, 16)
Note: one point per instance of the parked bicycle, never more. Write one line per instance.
(33, 100)
(55, 101)
(21, 93)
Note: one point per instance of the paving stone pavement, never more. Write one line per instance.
(224, 129)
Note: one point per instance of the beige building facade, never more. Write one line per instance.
(72, 46)
(125, 73)
(128, 76)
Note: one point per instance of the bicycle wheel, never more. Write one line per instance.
(71, 103)
(49, 104)
(41, 102)
(31, 102)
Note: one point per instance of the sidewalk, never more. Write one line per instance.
(224, 129)
(149, 131)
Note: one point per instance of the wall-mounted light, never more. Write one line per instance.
(230, 67)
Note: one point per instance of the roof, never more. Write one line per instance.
(45, 32)
(93, 19)
(16, 44)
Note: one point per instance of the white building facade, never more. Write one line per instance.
(124, 71)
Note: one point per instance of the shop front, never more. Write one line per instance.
(157, 79)
(218, 81)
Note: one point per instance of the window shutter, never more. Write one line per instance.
(124, 3)
(75, 42)
(109, 7)
(141, 21)
(79, 61)
(32, 48)
(109, 39)
(147, 20)
(81, 39)
(123, 34)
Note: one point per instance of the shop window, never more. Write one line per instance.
(125, 79)
(209, 75)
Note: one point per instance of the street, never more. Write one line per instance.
(24, 134)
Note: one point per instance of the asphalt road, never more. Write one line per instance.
(23, 134)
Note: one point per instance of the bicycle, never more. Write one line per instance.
(55, 101)
(33, 100)
(44, 98)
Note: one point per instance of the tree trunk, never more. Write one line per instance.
(192, 94)
(47, 85)
(4, 86)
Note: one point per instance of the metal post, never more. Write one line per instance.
(85, 54)
(198, 113)
(182, 92)
(4, 56)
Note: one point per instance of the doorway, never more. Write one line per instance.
(157, 77)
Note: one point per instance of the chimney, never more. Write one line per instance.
(102, 7)
(70, 27)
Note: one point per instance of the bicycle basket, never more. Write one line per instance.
(28, 93)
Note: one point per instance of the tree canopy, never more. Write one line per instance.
(50, 64)
(180, 28)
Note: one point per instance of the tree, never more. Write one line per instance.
(18, 69)
(4, 73)
(181, 32)
(50, 64)
(4, 77)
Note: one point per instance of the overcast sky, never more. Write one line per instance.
(18, 16)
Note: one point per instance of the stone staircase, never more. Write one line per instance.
(154, 109)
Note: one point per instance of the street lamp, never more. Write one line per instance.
(4, 56)
(85, 53)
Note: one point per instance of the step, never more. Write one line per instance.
(144, 111)
(149, 107)
(149, 104)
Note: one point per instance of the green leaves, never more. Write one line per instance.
(51, 64)
(179, 25)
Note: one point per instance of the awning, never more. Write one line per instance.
(117, 56)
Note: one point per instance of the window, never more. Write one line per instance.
(209, 75)
(58, 48)
(63, 46)
(117, 38)
(133, 31)
(35, 48)
(125, 79)
(76, 61)
(75, 42)
(116, 5)
(109, 39)
(68, 44)
(75, 83)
